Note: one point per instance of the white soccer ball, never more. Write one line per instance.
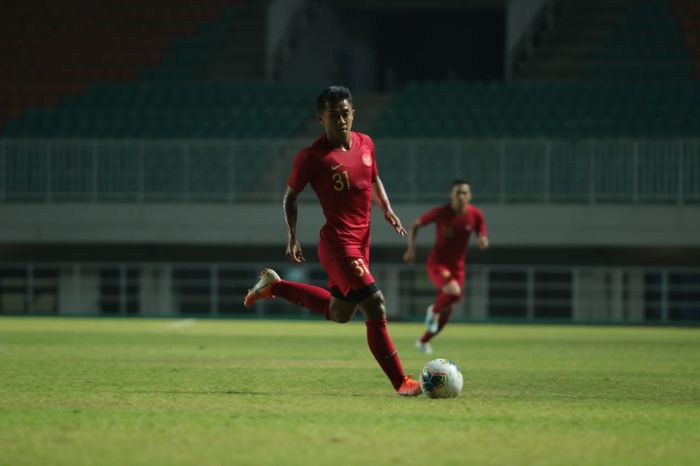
(441, 378)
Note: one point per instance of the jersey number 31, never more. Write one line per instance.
(341, 181)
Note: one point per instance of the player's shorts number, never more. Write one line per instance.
(359, 267)
(341, 181)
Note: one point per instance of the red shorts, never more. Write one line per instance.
(441, 275)
(347, 269)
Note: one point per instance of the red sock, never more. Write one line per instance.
(444, 300)
(382, 348)
(311, 297)
(442, 321)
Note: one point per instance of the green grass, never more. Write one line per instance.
(87, 392)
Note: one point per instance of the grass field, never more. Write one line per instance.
(118, 392)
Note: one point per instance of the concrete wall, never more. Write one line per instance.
(326, 52)
(512, 225)
(520, 15)
(280, 14)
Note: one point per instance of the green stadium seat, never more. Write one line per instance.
(617, 108)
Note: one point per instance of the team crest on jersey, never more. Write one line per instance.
(367, 159)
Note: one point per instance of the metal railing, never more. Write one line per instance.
(492, 292)
(415, 170)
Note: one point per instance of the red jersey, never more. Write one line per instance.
(452, 233)
(342, 180)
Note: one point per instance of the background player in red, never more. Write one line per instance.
(342, 170)
(454, 224)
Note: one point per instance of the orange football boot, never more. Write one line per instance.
(263, 288)
(409, 387)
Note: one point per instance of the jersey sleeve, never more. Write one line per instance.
(301, 172)
(480, 223)
(430, 216)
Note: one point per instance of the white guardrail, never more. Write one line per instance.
(413, 170)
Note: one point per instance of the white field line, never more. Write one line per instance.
(180, 324)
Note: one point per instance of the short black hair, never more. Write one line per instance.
(332, 95)
(459, 181)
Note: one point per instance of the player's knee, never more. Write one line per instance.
(374, 307)
(452, 289)
(375, 301)
(340, 311)
(340, 318)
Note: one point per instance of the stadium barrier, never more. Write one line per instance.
(584, 171)
(569, 294)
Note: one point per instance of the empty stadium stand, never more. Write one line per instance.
(688, 12)
(618, 39)
(646, 42)
(569, 109)
(187, 109)
(49, 50)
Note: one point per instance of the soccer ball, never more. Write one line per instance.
(441, 378)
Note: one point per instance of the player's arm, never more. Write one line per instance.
(382, 200)
(425, 219)
(410, 254)
(482, 239)
(289, 206)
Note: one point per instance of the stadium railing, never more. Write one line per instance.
(413, 170)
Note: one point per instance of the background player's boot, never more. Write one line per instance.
(263, 288)
(431, 319)
(424, 347)
(409, 387)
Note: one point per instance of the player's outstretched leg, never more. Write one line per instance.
(424, 347)
(433, 315)
(423, 344)
(431, 319)
(262, 288)
(271, 285)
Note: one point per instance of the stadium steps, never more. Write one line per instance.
(566, 49)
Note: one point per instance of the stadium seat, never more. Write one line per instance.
(81, 42)
(614, 108)
(647, 42)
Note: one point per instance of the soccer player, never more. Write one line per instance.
(341, 168)
(454, 224)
